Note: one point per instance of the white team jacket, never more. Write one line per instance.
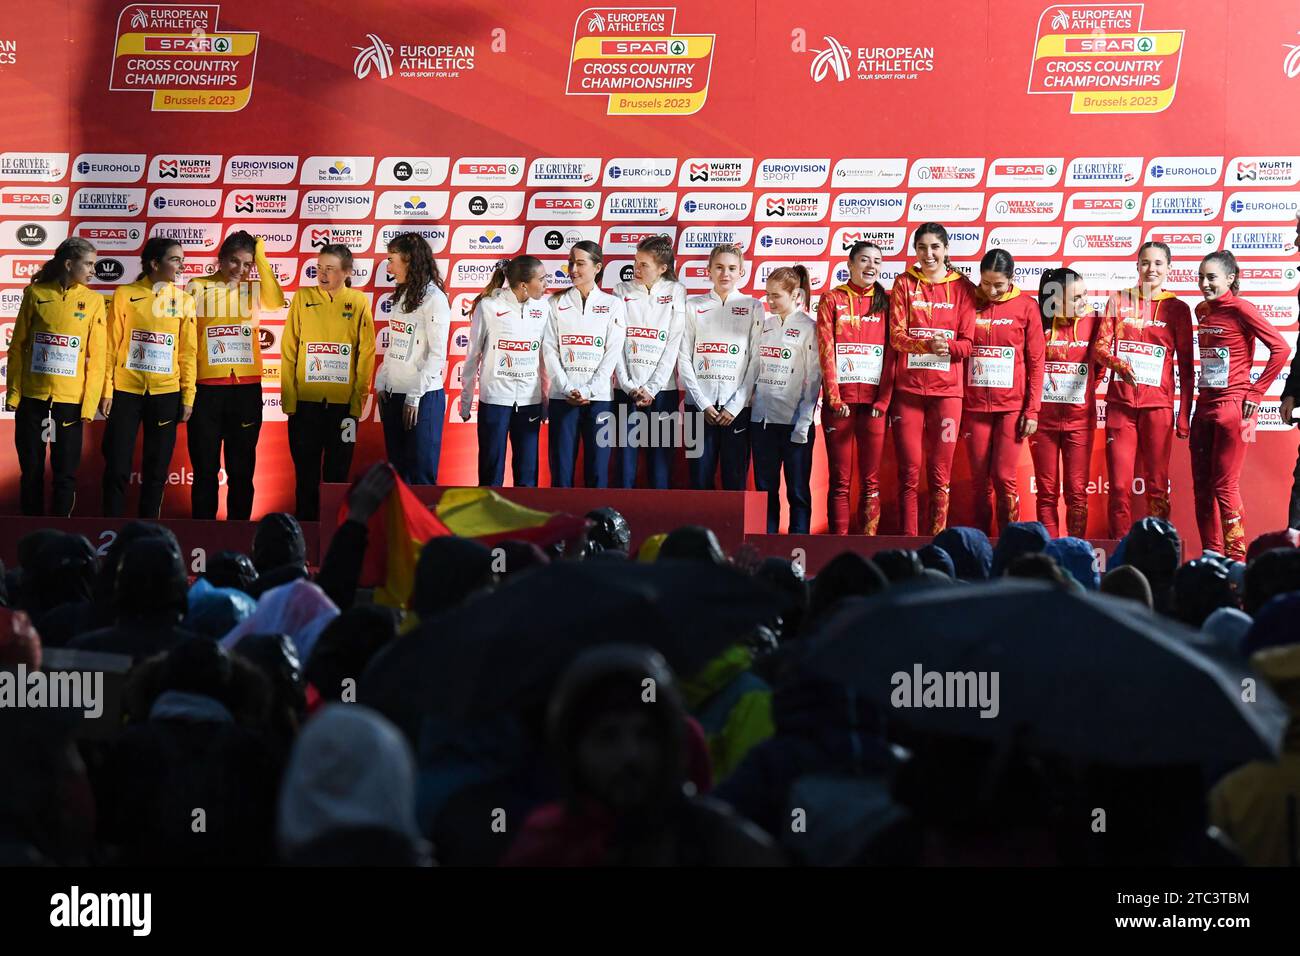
(415, 361)
(582, 343)
(654, 335)
(789, 379)
(505, 351)
(714, 362)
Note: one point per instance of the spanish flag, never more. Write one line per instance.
(400, 527)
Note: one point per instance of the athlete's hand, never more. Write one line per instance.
(410, 415)
(1127, 376)
(1248, 410)
(711, 415)
(106, 405)
(725, 418)
(939, 345)
(1027, 426)
(843, 411)
(1182, 430)
(464, 411)
(370, 491)
(877, 413)
(575, 398)
(1287, 410)
(186, 412)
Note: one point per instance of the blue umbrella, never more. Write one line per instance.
(1078, 675)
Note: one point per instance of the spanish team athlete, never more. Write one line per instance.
(55, 374)
(931, 326)
(1004, 385)
(582, 345)
(504, 357)
(149, 376)
(1144, 330)
(1061, 448)
(786, 390)
(327, 360)
(646, 373)
(857, 367)
(410, 381)
(228, 399)
(716, 369)
(1227, 327)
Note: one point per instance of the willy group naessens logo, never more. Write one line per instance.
(635, 58)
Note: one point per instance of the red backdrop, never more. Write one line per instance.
(1065, 133)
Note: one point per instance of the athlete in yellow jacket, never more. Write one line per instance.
(56, 373)
(149, 381)
(327, 361)
(228, 398)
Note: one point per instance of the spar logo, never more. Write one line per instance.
(776, 351)
(417, 61)
(716, 348)
(1187, 242)
(1100, 55)
(838, 59)
(635, 58)
(1025, 172)
(564, 205)
(488, 171)
(1102, 207)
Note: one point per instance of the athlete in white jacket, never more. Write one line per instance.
(646, 373)
(583, 341)
(410, 379)
(786, 390)
(505, 358)
(717, 372)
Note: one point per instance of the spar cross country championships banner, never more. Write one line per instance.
(1067, 134)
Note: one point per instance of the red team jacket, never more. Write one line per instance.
(1005, 370)
(1070, 376)
(918, 309)
(853, 348)
(1226, 332)
(1141, 335)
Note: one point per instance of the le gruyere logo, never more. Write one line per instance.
(634, 57)
(175, 52)
(1101, 56)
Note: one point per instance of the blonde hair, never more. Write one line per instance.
(727, 249)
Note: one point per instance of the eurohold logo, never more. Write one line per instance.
(411, 61)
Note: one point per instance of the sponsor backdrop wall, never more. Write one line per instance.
(1065, 133)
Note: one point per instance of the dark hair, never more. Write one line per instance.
(597, 256)
(421, 270)
(1169, 256)
(933, 229)
(1229, 263)
(1051, 286)
(794, 277)
(340, 252)
(155, 250)
(661, 248)
(879, 297)
(69, 249)
(509, 273)
(999, 261)
(238, 241)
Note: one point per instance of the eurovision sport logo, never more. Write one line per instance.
(175, 52)
(634, 57)
(1102, 57)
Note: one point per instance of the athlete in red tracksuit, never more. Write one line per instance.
(931, 323)
(1068, 414)
(1004, 386)
(857, 382)
(1142, 332)
(1226, 401)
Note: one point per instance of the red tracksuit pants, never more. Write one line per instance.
(994, 453)
(1053, 452)
(925, 427)
(1133, 433)
(1218, 451)
(865, 434)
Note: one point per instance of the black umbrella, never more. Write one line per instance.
(505, 649)
(1077, 675)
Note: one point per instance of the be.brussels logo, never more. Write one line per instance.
(414, 204)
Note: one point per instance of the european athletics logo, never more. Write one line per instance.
(378, 56)
(834, 57)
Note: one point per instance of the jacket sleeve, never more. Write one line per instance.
(686, 365)
(269, 293)
(1104, 346)
(365, 361)
(1182, 326)
(826, 350)
(557, 378)
(189, 346)
(96, 343)
(664, 370)
(18, 348)
(437, 330)
(621, 379)
(615, 332)
(741, 397)
(289, 357)
(116, 339)
(963, 342)
(340, 569)
(898, 322)
(473, 356)
(812, 386)
(885, 391)
(1278, 350)
(1035, 350)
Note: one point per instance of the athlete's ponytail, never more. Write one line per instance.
(1052, 289)
(1228, 262)
(507, 274)
(794, 279)
(69, 250)
(999, 261)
